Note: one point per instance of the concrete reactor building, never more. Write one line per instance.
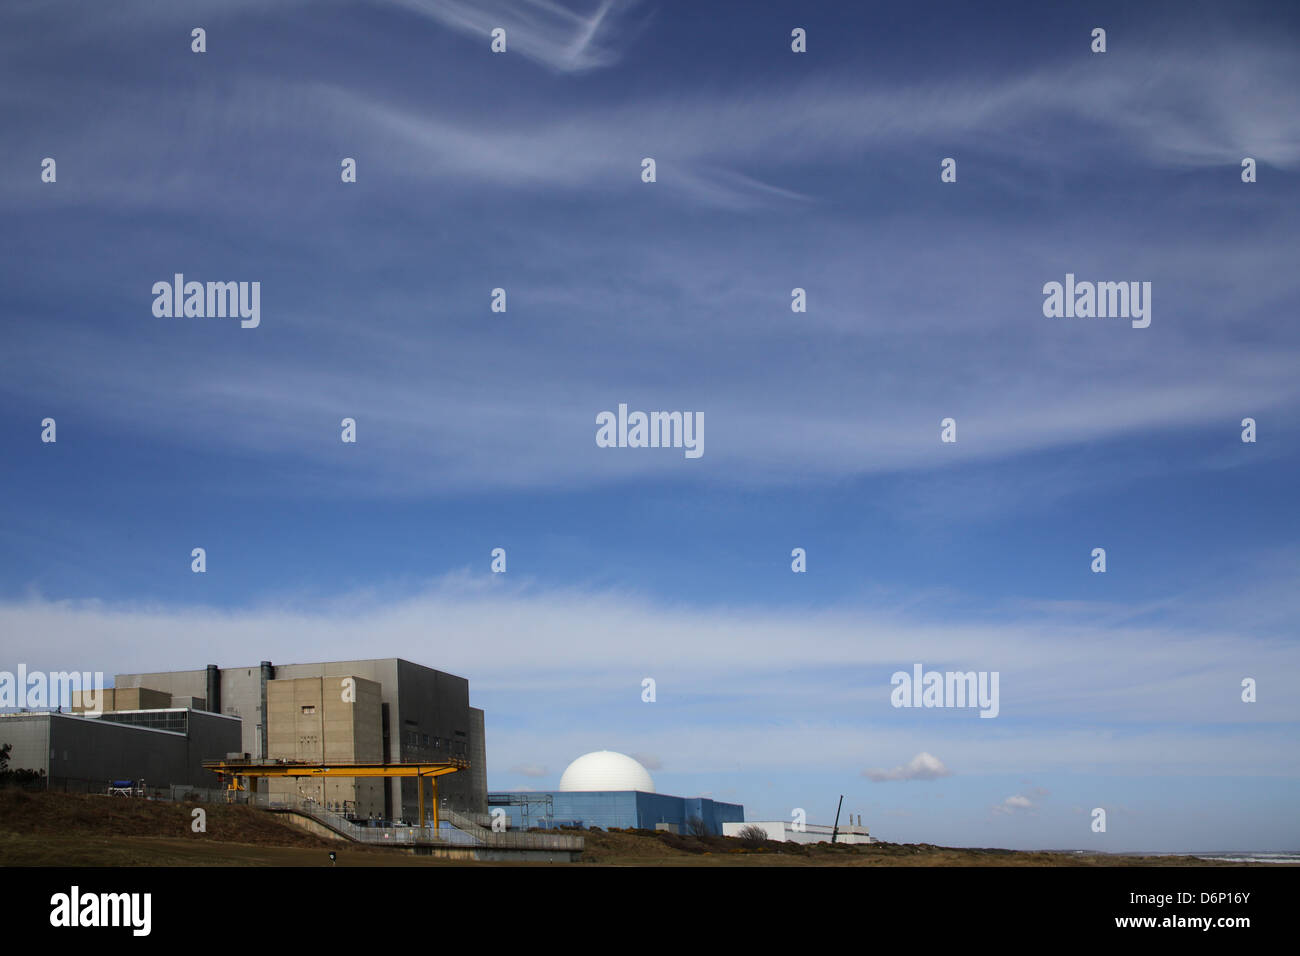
(386, 709)
(611, 790)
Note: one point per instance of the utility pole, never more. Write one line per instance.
(836, 831)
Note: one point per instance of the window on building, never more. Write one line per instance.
(309, 708)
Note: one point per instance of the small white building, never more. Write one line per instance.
(784, 831)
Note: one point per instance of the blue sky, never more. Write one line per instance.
(476, 429)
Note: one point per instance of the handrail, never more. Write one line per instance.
(461, 822)
(461, 832)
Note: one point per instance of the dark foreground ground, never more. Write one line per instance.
(56, 829)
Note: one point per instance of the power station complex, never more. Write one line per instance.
(388, 714)
(386, 710)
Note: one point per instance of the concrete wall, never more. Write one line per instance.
(240, 696)
(211, 737)
(431, 721)
(478, 761)
(29, 735)
(427, 719)
(310, 720)
(183, 683)
(382, 672)
(126, 698)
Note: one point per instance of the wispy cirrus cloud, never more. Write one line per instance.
(548, 32)
(717, 147)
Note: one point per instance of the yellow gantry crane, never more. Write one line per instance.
(232, 770)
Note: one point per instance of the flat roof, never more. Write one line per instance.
(99, 717)
(253, 667)
(47, 714)
(171, 710)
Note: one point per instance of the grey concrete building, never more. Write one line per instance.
(424, 715)
(160, 747)
(328, 720)
(131, 698)
(477, 759)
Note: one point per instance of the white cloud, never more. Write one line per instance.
(1014, 804)
(923, 766)
(649, 761)
(529, 770)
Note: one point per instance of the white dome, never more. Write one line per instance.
(606, 770)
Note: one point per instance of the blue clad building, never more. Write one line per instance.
(610, 790)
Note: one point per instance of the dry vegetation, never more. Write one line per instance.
(658, 848)
(26, 813)
(56, 829)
